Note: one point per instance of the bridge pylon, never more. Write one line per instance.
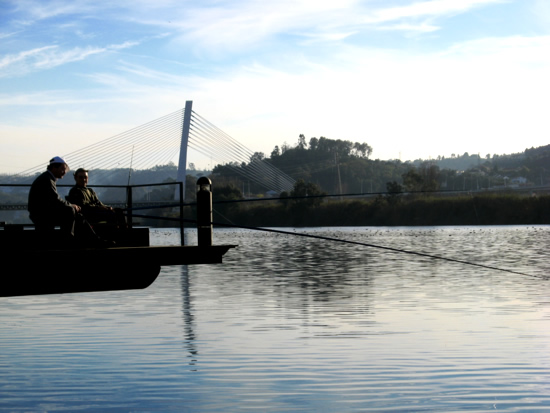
(186, 127)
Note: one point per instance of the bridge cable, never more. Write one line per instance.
(225, 146)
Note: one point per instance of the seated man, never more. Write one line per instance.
(92, 208)
(47, 209)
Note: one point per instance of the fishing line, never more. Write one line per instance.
(363, 244)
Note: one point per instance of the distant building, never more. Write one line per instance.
(520, 180)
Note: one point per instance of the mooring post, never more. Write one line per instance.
(204, 212)
(182, 230)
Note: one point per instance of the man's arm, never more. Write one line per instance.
(86, 198)
(95, 202)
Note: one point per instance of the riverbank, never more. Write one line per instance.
(490, 209)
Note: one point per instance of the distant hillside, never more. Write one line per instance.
(339, 166)
(530, 158)
(457, 163)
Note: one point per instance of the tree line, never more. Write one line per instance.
(324, 166)
(339, 166)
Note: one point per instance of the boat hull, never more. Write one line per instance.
(35, 280)
(32, 265)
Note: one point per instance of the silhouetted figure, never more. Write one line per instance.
(92, 208)
(48, 210)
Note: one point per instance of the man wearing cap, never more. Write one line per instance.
(47, 209)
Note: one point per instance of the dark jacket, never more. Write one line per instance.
(44, 201)
(85, 198)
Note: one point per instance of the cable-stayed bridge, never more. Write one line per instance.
(167, 139)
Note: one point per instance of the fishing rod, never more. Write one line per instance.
(344, 241)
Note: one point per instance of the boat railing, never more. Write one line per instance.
(13, 197)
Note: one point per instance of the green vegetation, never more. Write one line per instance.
(403, 193)
(338, 166)
(494, 190)
(486, 209)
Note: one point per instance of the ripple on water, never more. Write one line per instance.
(292, 324)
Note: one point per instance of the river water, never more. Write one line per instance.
(296, 324)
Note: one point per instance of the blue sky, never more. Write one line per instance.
(412, 78)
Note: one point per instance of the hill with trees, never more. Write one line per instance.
(340, 167)
(386, 191)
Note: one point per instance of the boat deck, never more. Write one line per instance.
(31, 266)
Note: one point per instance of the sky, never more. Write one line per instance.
(412, 78)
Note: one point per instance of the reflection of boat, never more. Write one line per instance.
(29, 268)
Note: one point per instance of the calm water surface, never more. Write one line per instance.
(296, 324)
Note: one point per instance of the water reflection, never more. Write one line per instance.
(189, 336)
(290, 324)
(301, 280)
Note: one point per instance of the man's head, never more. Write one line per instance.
(58, 167)
(81, 177)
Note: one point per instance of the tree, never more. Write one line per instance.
(227, 193)
(307, 189)
(275, 152)
(302, 142)
(257, 156)
(284, 148)
(425, 178)
(412, 180)
(363, 150)
(394, 187)
(313, 144)
(430, 176)
(394, 191)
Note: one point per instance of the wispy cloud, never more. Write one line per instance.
(420, 16)
(7, 35)
(511, 50)
(540, 10)
(56, 98)
(432, 8)
(225, 26)
(41, 10)
(11, 60)
(236, 25)
(48, 57)
(421, 27)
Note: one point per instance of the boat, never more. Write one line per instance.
(32, 266)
